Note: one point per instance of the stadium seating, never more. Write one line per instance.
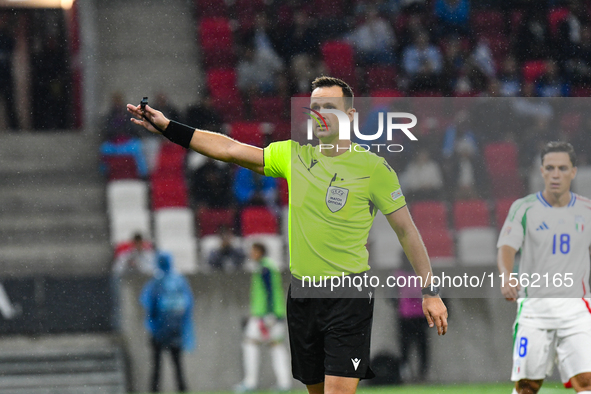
(258, 220)
(556, 17)
(429, 215)
(211, 219)
(384, 250)
(124, 224)
(120, 167)
(170, 160)
(184, 253)
(208, 244)
(570, 123)
(533, 69)
(283, 188)
(502, 207)
(169, 192)
(127, 195)
(485, 22)
(211, 8)
(501, 159)
(339, 59)
(440, 246)
(380, 77)
(281, 131)
(173, 223)
(470, 213)
(477, 246)
(215, 34)
(268, 109)
(247, 132)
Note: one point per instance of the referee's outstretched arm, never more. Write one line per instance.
(214, 145)
(414, 248)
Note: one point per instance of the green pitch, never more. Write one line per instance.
(492, 388)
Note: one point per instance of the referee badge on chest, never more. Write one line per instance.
(336, 198)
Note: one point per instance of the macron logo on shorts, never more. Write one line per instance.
(356, 362)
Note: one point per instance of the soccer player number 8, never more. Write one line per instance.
(522, 346)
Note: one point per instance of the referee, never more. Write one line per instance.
(329, 337)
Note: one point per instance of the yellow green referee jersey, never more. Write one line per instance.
(332, 204)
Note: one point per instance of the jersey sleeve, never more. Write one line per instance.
(384, 189)
(277, 159)
(513, 231)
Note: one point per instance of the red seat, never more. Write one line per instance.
(470, 213)
(506, 186)
(381, 77)
(171, 161)
(231, 108)
(500, 158)
(258, 220)
(338, 57)
(581, 91)
(533, 70)
(247, 132)
(210, 220)
(556, 17)
(499, 47)
(268, 109)
(215, 33)
(429, 215)
(502, 207)
(222, 83)
(484, 22)
(120, 167)
(439, 243)
(386, 93)
(281, 131)
(209, 8)
(168, 192)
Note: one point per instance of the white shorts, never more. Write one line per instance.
(259, 330)
(535, 351)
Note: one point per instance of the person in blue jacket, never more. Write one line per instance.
(168, 302)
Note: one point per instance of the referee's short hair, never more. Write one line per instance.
(560, 146)
(327, 82)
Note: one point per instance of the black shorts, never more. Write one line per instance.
(329, 336)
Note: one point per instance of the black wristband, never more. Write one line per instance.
(179, 133)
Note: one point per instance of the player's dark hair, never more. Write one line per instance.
(560, 146)
(327, 82)
(260, 247)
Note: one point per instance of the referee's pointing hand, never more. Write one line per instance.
(147, 115)
(436, 313)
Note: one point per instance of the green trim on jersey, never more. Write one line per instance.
(516, 324)
(332, 204)
(519, 203)
(259, 296)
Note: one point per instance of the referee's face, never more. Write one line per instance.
(558, 172)
(329, 98)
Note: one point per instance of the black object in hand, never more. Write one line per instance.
(143, 103)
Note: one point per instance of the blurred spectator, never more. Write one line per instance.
(510, 84)
(251, 188)
(7, 44)
(211, 185)
(422, 63)
(551, 84)
(228, 256)
(266, 324)
(305, 69)
(422, 178)
(256, 71)
(411, 29)
(163, 104)
(204, 115)
(120, 137)
(578, 66)
(135, 256)
(373, 40)
(454, 58)
(453, 17)
(300, 38)
(569, 31)
(533, 41)
(463, 167)
(168, 303)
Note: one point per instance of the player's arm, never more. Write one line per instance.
(414, 248)
(505, 262)
(214, 145)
